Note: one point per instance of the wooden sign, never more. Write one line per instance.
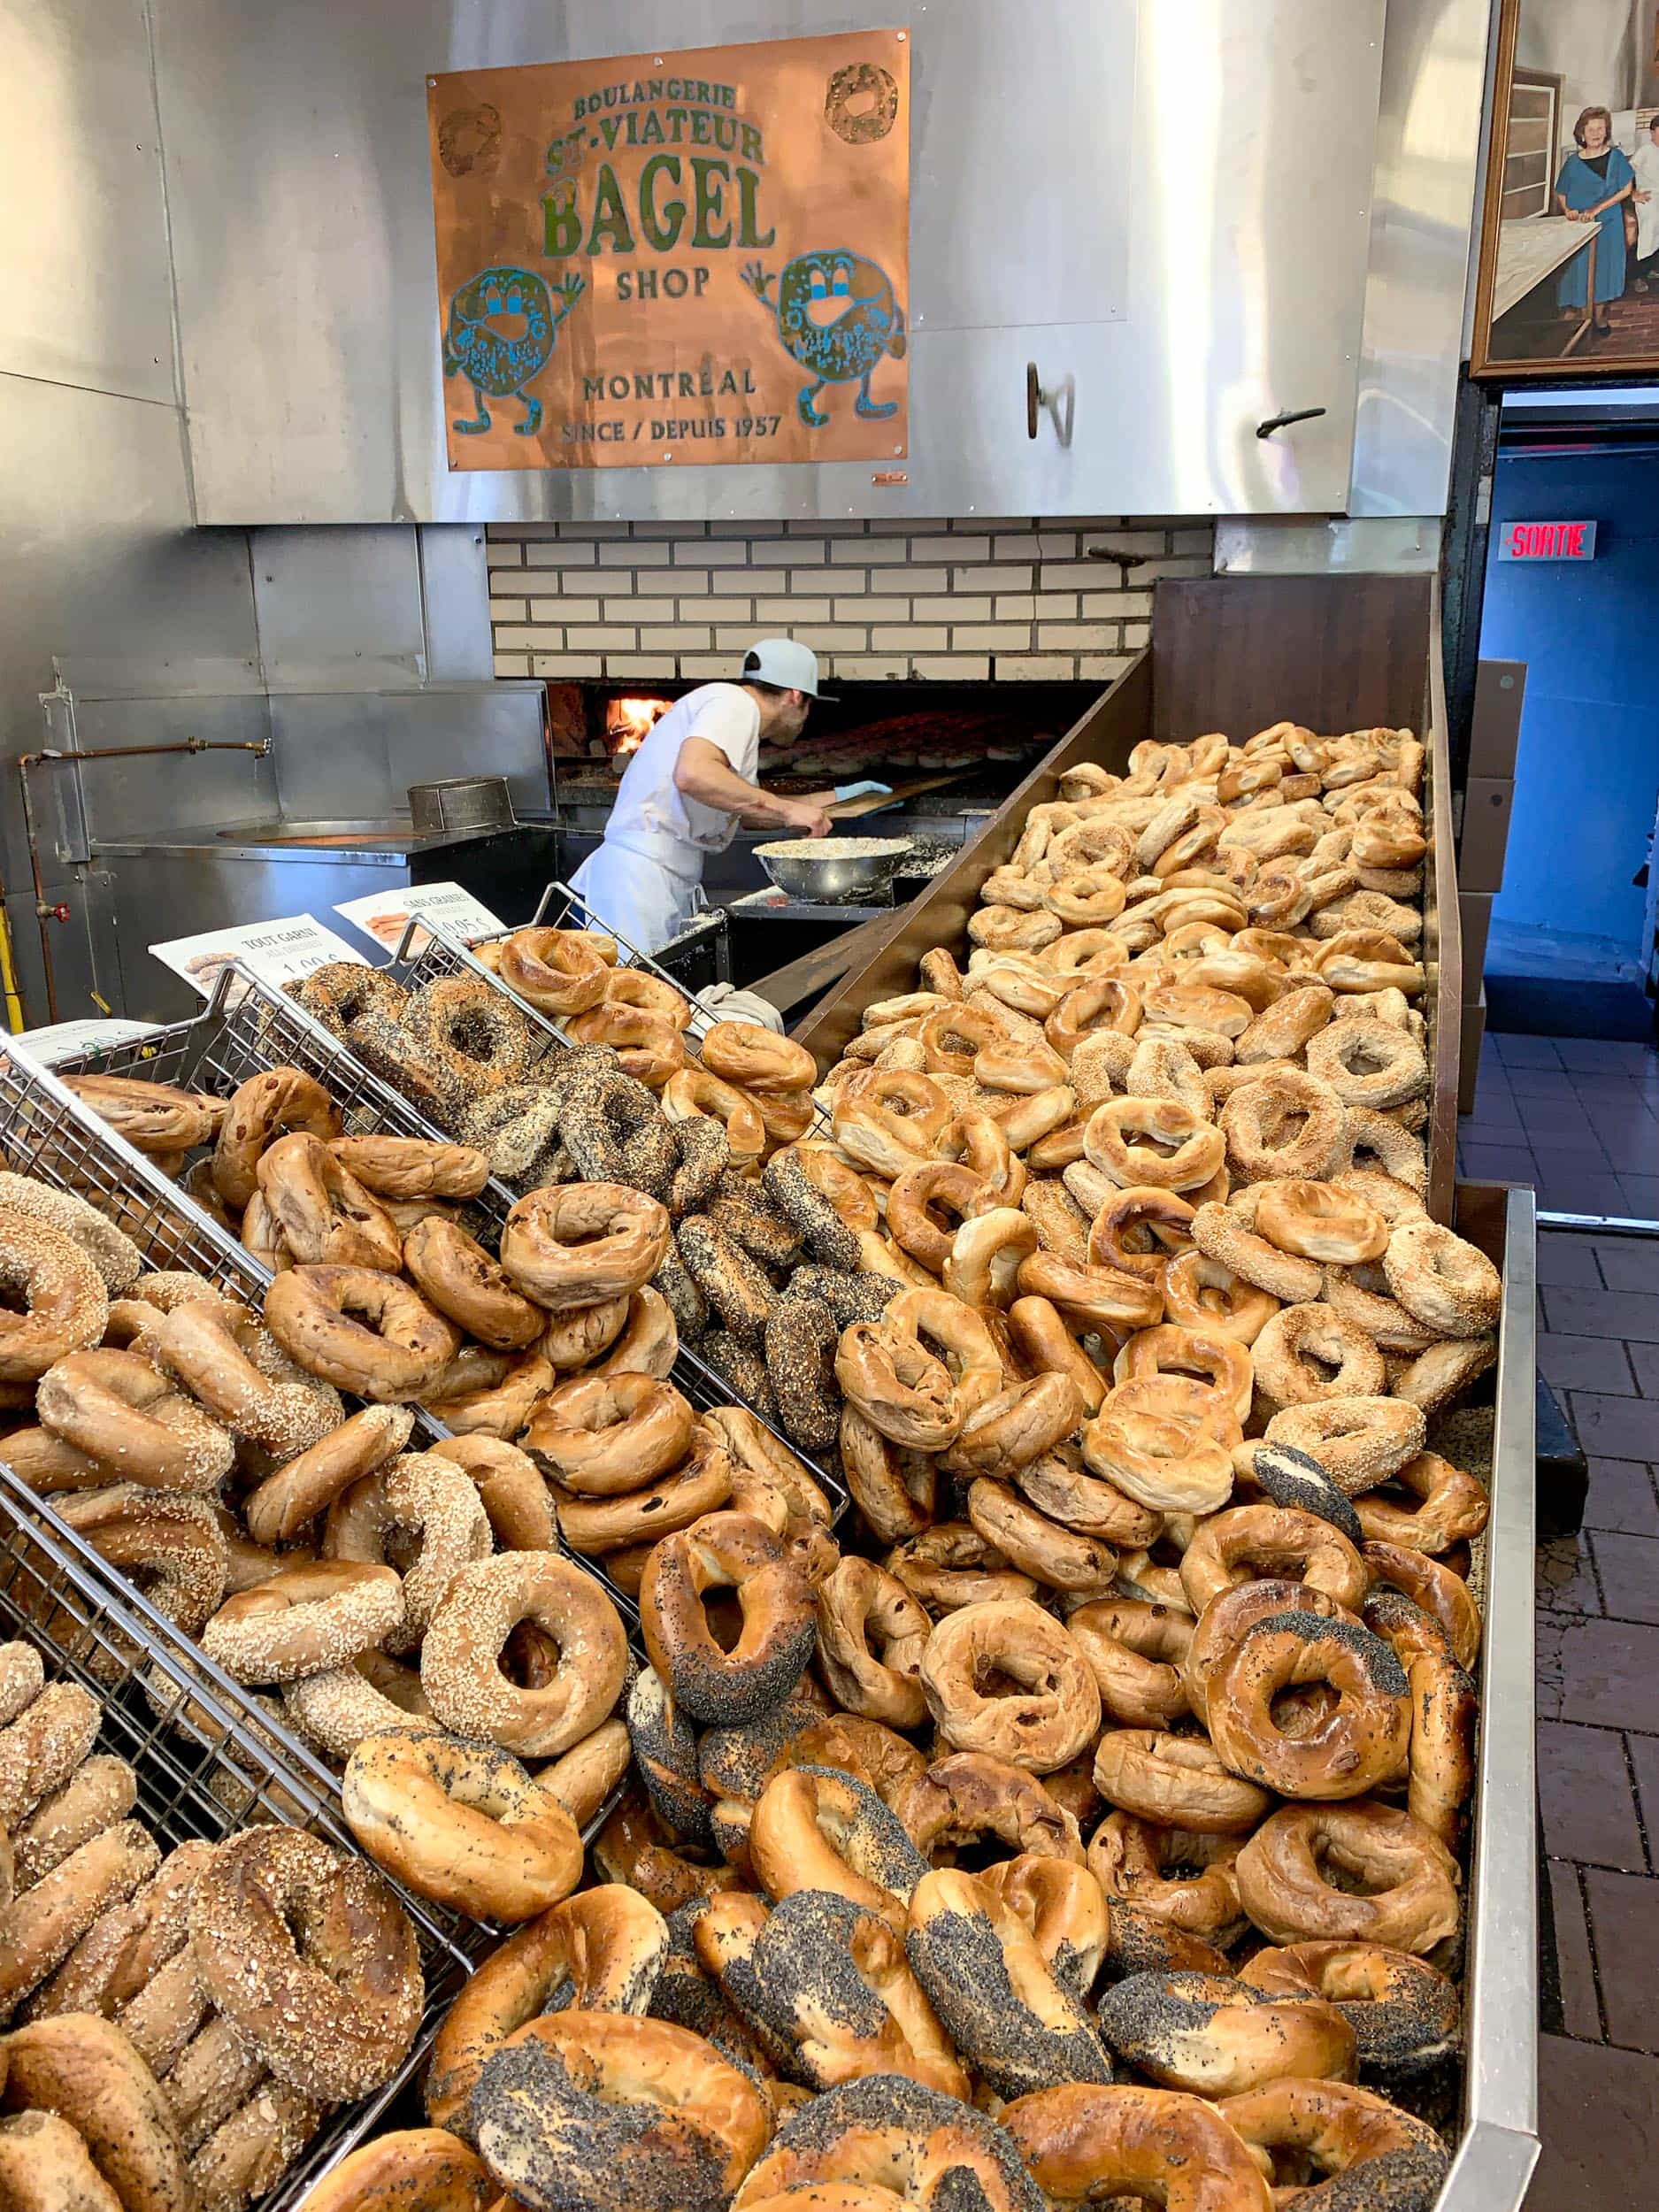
(676, 258)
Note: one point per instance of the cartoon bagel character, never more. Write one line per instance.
(839, 318)
(500, 334)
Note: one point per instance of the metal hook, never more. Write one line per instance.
(1283, 422)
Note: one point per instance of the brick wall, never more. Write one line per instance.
(880, 599)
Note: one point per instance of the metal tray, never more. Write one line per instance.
(201, 1772)
(1498, 2143)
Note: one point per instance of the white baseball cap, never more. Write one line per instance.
(781, 661)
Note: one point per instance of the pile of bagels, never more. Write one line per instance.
(1106, 1836)
(181, 2022)
(761, 1273)
(205, 1451)
(463, 1052)
(1088, 1815)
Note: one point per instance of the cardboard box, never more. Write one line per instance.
(1474, 926)
(1472, 1029)
(1495, 729)
(1488, 800)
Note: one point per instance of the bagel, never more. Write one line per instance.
(830, 1984)
(304, 1620)
(991, 1988)
(425, 1509)
(266, 1107)
(582, 1243)
(1409, 1898)
(1442, 1280)
(1179, 1879)
(1064, 1907)
(1153, 1142)
(602, 2112)
(1082, 2144)
(1214, 2036)
(1175, 1782)
(457, 1275)
(394, 1353)
(968, 1795)
(83, 2075)
(871, 1636)
(558, 971)
(1286, 1125)
(1358, 1748)
(602, 1435)
(122, 1414)
(713, 1683)
(462, 1823)
(236, 1369)
(1373, 2152)
(883, 2137)
(1052, 1708)
(1359, 1441)
(1134, 1651)
(412, 2169)
(332, 2014)
(1404, 2014)
(814, 1829)
(459, 1659)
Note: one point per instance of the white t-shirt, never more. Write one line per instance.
(651, 815)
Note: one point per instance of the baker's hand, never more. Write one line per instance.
(807, 816)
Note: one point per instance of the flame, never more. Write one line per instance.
(629, 722)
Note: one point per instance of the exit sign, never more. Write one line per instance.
(1548, 541)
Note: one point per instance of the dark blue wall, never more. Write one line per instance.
(1588, 769)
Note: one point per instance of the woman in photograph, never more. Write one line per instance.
(1594, 184)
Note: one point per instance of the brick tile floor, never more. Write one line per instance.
(1580, 1121)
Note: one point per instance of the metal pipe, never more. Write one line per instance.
(43, 912)
(1601, 1225)
(41, 907)
(258, 746)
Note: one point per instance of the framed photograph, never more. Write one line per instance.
(1568, 274)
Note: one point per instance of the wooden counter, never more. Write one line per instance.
(1234, 653)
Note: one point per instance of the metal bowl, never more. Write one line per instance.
(813, 868)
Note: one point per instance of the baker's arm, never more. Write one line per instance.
(704, 772)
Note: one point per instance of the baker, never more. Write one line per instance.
(689, 787)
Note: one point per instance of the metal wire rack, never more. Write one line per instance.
(202, 1771)
(560, 908)
(251, 1025)
(248, 1026)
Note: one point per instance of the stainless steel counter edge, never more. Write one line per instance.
(288, 840)
(1500, 2147)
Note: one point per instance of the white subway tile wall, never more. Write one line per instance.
(1020, 601)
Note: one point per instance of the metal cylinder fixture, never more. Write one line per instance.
(461, 803)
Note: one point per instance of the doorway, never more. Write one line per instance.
(1571, 946)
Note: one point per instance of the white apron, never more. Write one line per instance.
(636, 896)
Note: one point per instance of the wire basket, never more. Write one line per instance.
(202, 1771)
(249, 1025)
(560, 908)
